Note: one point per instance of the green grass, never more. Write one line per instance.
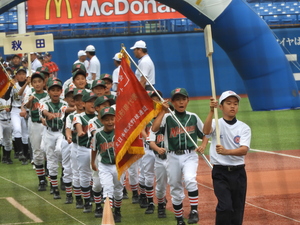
(271, 130)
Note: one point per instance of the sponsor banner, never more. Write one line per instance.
(90, 11)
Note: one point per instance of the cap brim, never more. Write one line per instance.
(113, 114)
(178, 94)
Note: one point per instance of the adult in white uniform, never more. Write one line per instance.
(35, 63)
(94, 66)
(115, 75)
(145, 64)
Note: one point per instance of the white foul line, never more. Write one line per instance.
(25, 211)
(275, 153)
(43, 199)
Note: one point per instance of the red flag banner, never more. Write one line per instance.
(134, 110)
(4, 82)
(91, 11)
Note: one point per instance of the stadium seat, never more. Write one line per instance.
(93, 29)
(135, 27)
(288, 19)
(179, 25)
(13, 28)
(79, 29)
(271, 20)
(40, 29)
(107, 28)
(121, 27)
(3, 27)
(66, 30)
(54, 29)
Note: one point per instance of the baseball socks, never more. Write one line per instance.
(40, 172)
(85, 191)
(117, 212)
(143, 197)
(151, 206)
(179, 214)
(19, 148)
(54, 183)
(4, 159)
(193, 198)
(99, 209)
(161, 210)
(25, 154)
(79, 201)
(135, 194)
(69, 197)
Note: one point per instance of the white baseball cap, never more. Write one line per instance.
(118, 56)
(81, 53)
(139, 44)
(90, 48)
(227, 94)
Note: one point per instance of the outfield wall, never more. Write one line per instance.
(179, 59)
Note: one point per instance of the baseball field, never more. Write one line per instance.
(273, 168)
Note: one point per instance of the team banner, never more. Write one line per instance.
(90, 11)
(4, 81)
(134, 110)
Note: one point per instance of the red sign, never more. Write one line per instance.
(91, 11)
(134, 110)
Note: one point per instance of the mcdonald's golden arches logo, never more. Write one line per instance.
(58, 8)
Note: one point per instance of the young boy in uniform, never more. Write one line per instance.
(104, 144)
(182, 159)
(71, 137)
(99, 87)
(228, 157)
(5, 130)
(80, 122)
(109, 82)
(54, 111)
(32, 102)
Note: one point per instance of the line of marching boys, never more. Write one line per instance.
(73, 124)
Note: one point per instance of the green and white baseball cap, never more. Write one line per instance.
(107, 111)
(179, 91)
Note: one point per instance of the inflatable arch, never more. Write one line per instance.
(251, 47)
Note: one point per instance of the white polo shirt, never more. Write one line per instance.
(115, 77)
(94, 67)
(232, 137)
(147, 67)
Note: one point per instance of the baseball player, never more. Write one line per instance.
(5, 130)
(182, 159)
(108, 82)
(66, 150)
(104, 144)
(228, 174)
(20, 129)
(71, 137)
(53, 110)
(99, 87)
(32, 102)
(80, 122)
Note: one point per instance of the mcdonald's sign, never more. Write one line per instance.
(90, 11)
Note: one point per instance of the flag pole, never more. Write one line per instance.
(171, 112)
(209, 52)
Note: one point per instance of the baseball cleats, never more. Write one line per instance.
(56, 194)
(117, 215)
(161, 210)
(87, 207)
(135, 198)
(143, 202)
(69, 199)
(42, 186)
(9, 161)
(79, 203)
(150, 208)
(180, 222)
(193, 217)
(99, 212)
(125, 194)
(62, 185)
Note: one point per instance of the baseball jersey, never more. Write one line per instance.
(15, 97)
(94, 124)
(232, 137)
(174, 136)
(4, 115)
(94, 67)
(59, 109)
(112, 95)
(35, 64)
(83, 119)
(51, 66)
(34, 111)
(147, 67)
(104, 144)
(158, 137)
(69, 122)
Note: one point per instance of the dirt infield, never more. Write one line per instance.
(273, 195)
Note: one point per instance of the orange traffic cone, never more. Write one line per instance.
(107, 218)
